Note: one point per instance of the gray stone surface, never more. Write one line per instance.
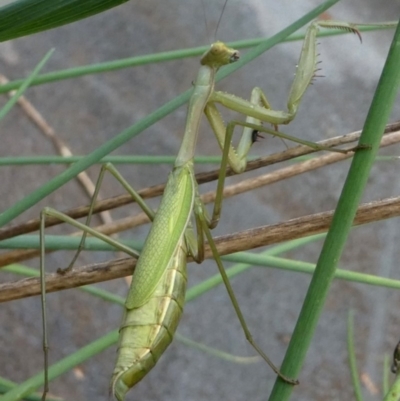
(90, 110)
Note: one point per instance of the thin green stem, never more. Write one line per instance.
(352, 357)
(7, 385)
(135, 159)
(160, 57)
(24, 84)
(342, 220)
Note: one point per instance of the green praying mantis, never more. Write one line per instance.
(156, 298)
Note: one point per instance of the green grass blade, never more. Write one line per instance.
(344, 215)
(37, 195)
(352, 357)
(25, 17)
(135, 159)
(24, 86)
(127, 159)
(7, 385)
(267, 260)
(161, 57)
(65, 242)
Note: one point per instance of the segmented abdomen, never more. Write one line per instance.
(147, 331)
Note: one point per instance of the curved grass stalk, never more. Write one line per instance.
(165, 56)
(352, 357)
(23, 85)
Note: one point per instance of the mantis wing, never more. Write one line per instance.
(165, 235)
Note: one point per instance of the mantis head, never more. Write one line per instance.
(218, 55)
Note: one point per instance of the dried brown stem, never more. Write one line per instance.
(241, 241)
(117, 201)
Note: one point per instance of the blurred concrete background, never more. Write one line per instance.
(87, 111)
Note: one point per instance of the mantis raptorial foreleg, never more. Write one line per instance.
(156, 297)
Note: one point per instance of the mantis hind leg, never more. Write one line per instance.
(202, 227)
(196, 249)
(49, 212)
